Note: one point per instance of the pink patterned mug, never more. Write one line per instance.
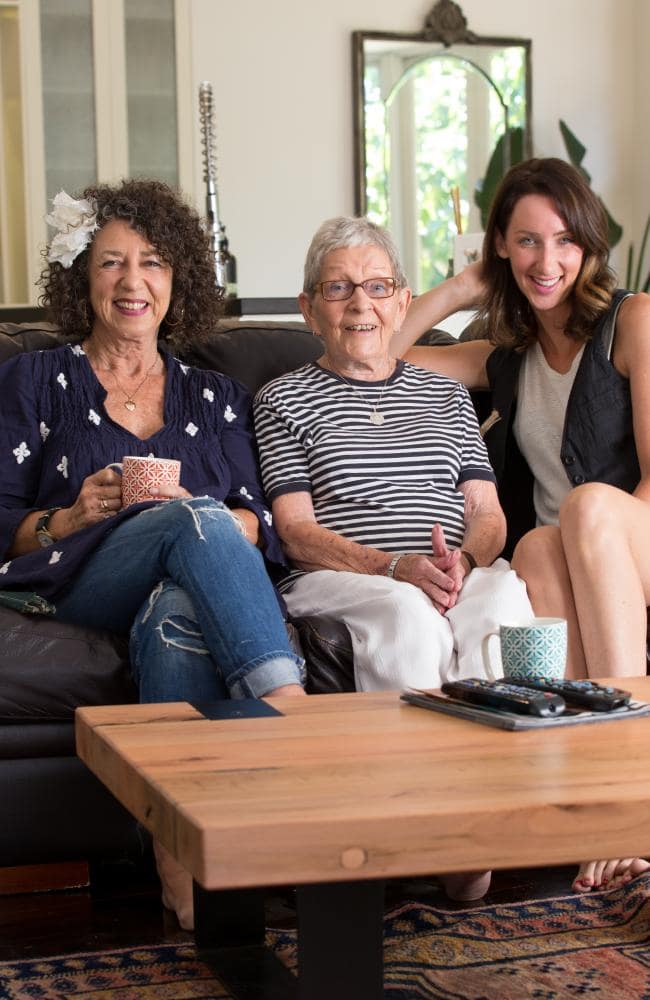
(139, 474)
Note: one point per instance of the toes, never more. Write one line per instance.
(608, 874)
(629, 868)
(584, 880)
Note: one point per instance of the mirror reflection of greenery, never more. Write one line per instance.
(439, 94)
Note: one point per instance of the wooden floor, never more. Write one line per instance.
(122, 908)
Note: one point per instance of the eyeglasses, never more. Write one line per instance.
(375, 288)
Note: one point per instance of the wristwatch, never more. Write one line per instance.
(42, 533)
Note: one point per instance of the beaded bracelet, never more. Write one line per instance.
(470, 559)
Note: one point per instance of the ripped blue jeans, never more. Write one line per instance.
(204, 619)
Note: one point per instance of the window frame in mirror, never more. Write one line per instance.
(445, 27)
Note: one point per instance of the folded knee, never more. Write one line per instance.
(588, 508)
(536, 550)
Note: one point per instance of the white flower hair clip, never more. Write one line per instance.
(76, 221)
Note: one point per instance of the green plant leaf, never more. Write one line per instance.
(498, 165)
(576, 152)
(614, 231)
(574, 148)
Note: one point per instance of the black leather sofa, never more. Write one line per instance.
(54, 809)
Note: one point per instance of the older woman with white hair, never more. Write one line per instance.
(381, 489)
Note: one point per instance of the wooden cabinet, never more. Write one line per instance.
(105, 93)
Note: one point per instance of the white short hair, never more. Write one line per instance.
(349, 231)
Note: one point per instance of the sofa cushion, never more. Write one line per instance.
(48, 668)
(18, 337)
(251, 352)
(256, 352)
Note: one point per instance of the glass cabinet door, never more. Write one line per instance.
(68, 95)
(151, 89)
(88, 93)
(13, 248)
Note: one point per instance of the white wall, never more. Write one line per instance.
(281, 72)
(640, 151)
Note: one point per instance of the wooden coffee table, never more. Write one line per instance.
(340, 792)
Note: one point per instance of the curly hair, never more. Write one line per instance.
(161, 216)
(508, 317)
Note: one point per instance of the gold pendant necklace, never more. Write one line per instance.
(129, 401)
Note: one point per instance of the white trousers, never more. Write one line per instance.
(399, 639)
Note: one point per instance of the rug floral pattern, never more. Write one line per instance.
(595, 946)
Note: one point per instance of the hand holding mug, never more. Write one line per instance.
(148, 478)
(100, 497)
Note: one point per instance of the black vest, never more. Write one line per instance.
(598, 439)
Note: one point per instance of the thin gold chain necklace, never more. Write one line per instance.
(129, 397)
(129, 401)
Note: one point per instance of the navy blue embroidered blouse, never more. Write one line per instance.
(54, 432)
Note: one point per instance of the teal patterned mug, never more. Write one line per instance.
(537, 649)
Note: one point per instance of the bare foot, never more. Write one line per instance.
(177, 888)
(464, 887)
(284, 689)
(608, 874)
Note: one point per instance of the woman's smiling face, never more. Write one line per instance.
(358, 330)
(130, 284)
(543, 254)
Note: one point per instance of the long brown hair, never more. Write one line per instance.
(509, 319)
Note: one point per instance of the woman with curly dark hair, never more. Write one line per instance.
(567, 360)
(155, 211)
(129, 268)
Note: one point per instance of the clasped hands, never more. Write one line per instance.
(440, 575)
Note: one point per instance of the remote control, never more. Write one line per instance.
(584, 694)
(505, 696)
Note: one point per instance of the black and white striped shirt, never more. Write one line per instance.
(385, 485)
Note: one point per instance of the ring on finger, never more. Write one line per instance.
(103, 503)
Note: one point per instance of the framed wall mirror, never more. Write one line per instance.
(439, 116)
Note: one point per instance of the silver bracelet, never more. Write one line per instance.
(392, 565)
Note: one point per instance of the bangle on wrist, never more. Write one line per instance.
(470, 559)
(392, 565)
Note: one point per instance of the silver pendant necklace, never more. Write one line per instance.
(375, 417)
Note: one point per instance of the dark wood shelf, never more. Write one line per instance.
(233, 307)
(261, 307)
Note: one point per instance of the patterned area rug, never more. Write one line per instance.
(595, 946)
